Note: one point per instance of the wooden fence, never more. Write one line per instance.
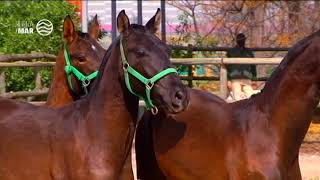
(212, 49)
(222, 62)
(14, 61)
(25, 60)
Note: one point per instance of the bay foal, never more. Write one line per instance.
(253, 139)
(85, 55)
(91, 138)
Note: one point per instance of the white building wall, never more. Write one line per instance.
(103, 10)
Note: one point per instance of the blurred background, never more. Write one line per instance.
(270, 24)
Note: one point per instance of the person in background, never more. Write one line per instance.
(240, 75)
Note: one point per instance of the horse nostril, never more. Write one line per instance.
(178, 101)
(179, 95)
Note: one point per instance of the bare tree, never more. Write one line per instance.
(266, 23)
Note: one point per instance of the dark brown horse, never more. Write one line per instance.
(85, 55)
(90, 138)
(257, 138)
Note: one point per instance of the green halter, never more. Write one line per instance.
(69, 68)
(149, 83)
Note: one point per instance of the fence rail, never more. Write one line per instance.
(9, 61)
(218, 61)
(26, 64)
(25, 60)
(197, 48)
(223, 70)
(26, 57)
(36, 92)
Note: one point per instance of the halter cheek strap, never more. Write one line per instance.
(149, 83)
(70, 69)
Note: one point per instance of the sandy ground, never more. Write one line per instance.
(310, 166)
(310, 159)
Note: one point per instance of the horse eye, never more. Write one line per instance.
(81, 59)
(140, 52)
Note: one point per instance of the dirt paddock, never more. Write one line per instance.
(310, 154)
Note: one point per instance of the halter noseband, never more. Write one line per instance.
(149, 83)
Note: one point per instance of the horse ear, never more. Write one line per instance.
(154, 23)
(123, 22)
(94, 28)
(69, 33)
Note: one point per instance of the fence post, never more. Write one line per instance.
(223, 81)
(38, 83)
(2, 81)
(190, 71)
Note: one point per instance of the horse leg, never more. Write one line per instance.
(126, 172)
(294, 172)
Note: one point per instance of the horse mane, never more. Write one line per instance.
(137, 26)
(83, 34)
(291, 56)
(103, 64)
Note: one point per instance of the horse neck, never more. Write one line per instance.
(59, 93)
(290, 101)
(112, 109)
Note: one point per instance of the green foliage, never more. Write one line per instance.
(46, 76)
(185, 36)
(19, 79)
(17, 14)
(183, 29)
(182, 70)
(270, 71)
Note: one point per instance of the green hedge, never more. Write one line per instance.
(15, 14)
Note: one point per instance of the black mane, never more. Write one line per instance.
(137, 26)
(83, 35)
(104, 64)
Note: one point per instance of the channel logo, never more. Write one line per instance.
(44, 27)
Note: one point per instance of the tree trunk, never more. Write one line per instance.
(317, 12)
(257, 25)
(294, 25)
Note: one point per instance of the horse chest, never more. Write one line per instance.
(87, 162)
(253, 168)
(263, 169)
(263, 165)
(252, 159)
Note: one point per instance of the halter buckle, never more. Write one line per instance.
(149, 85)
(154, 110)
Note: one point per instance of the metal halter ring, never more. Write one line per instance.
(125, 66)
(154, 110)
(149, 85)
(86, 82)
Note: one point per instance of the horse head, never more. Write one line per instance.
(146, 66)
